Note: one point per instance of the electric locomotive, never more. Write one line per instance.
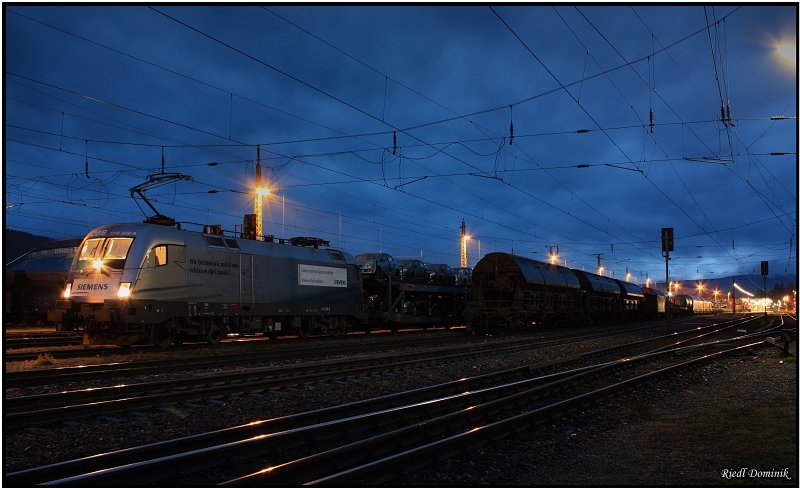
(143, 283)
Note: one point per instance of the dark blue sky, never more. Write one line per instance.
(323, 90)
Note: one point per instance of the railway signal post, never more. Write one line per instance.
(667, 245)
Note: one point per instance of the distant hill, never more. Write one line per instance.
(17, 243)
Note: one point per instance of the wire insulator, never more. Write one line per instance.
(511, 126)
(394, 143)
(729, 110)
(722, 112)
(651, 121)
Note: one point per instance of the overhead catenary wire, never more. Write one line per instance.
(671, 109)
(407, 173)
(322, 92)
(712, 111)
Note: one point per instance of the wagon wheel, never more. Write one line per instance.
(303, 332)
(336, 326)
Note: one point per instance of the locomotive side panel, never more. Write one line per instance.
(162, 275)
(212, 275)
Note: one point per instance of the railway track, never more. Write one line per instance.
(13, 355)
(40, 409)
(32, 410)
(71, 375)
(39, 339)
(365, 442)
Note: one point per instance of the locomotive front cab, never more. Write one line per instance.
(98, 270)
(99, 283)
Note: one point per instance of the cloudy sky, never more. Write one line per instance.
(382, 127)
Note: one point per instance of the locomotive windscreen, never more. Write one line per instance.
(109, 252)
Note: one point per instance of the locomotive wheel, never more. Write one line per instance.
(162, 336)
(211, 330)
(214, 336)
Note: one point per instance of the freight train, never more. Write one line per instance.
(144, 283)
(513, 292)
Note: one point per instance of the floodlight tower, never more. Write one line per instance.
(257, 209)
(464, 239)
(261, 191)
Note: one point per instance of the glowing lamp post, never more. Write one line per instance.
(464, 238)
(261, 191)
(258, 210)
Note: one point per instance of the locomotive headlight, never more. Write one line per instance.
(124, 290)
(67, 291)
(98, 265)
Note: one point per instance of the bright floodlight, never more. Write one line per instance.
(787, 52)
